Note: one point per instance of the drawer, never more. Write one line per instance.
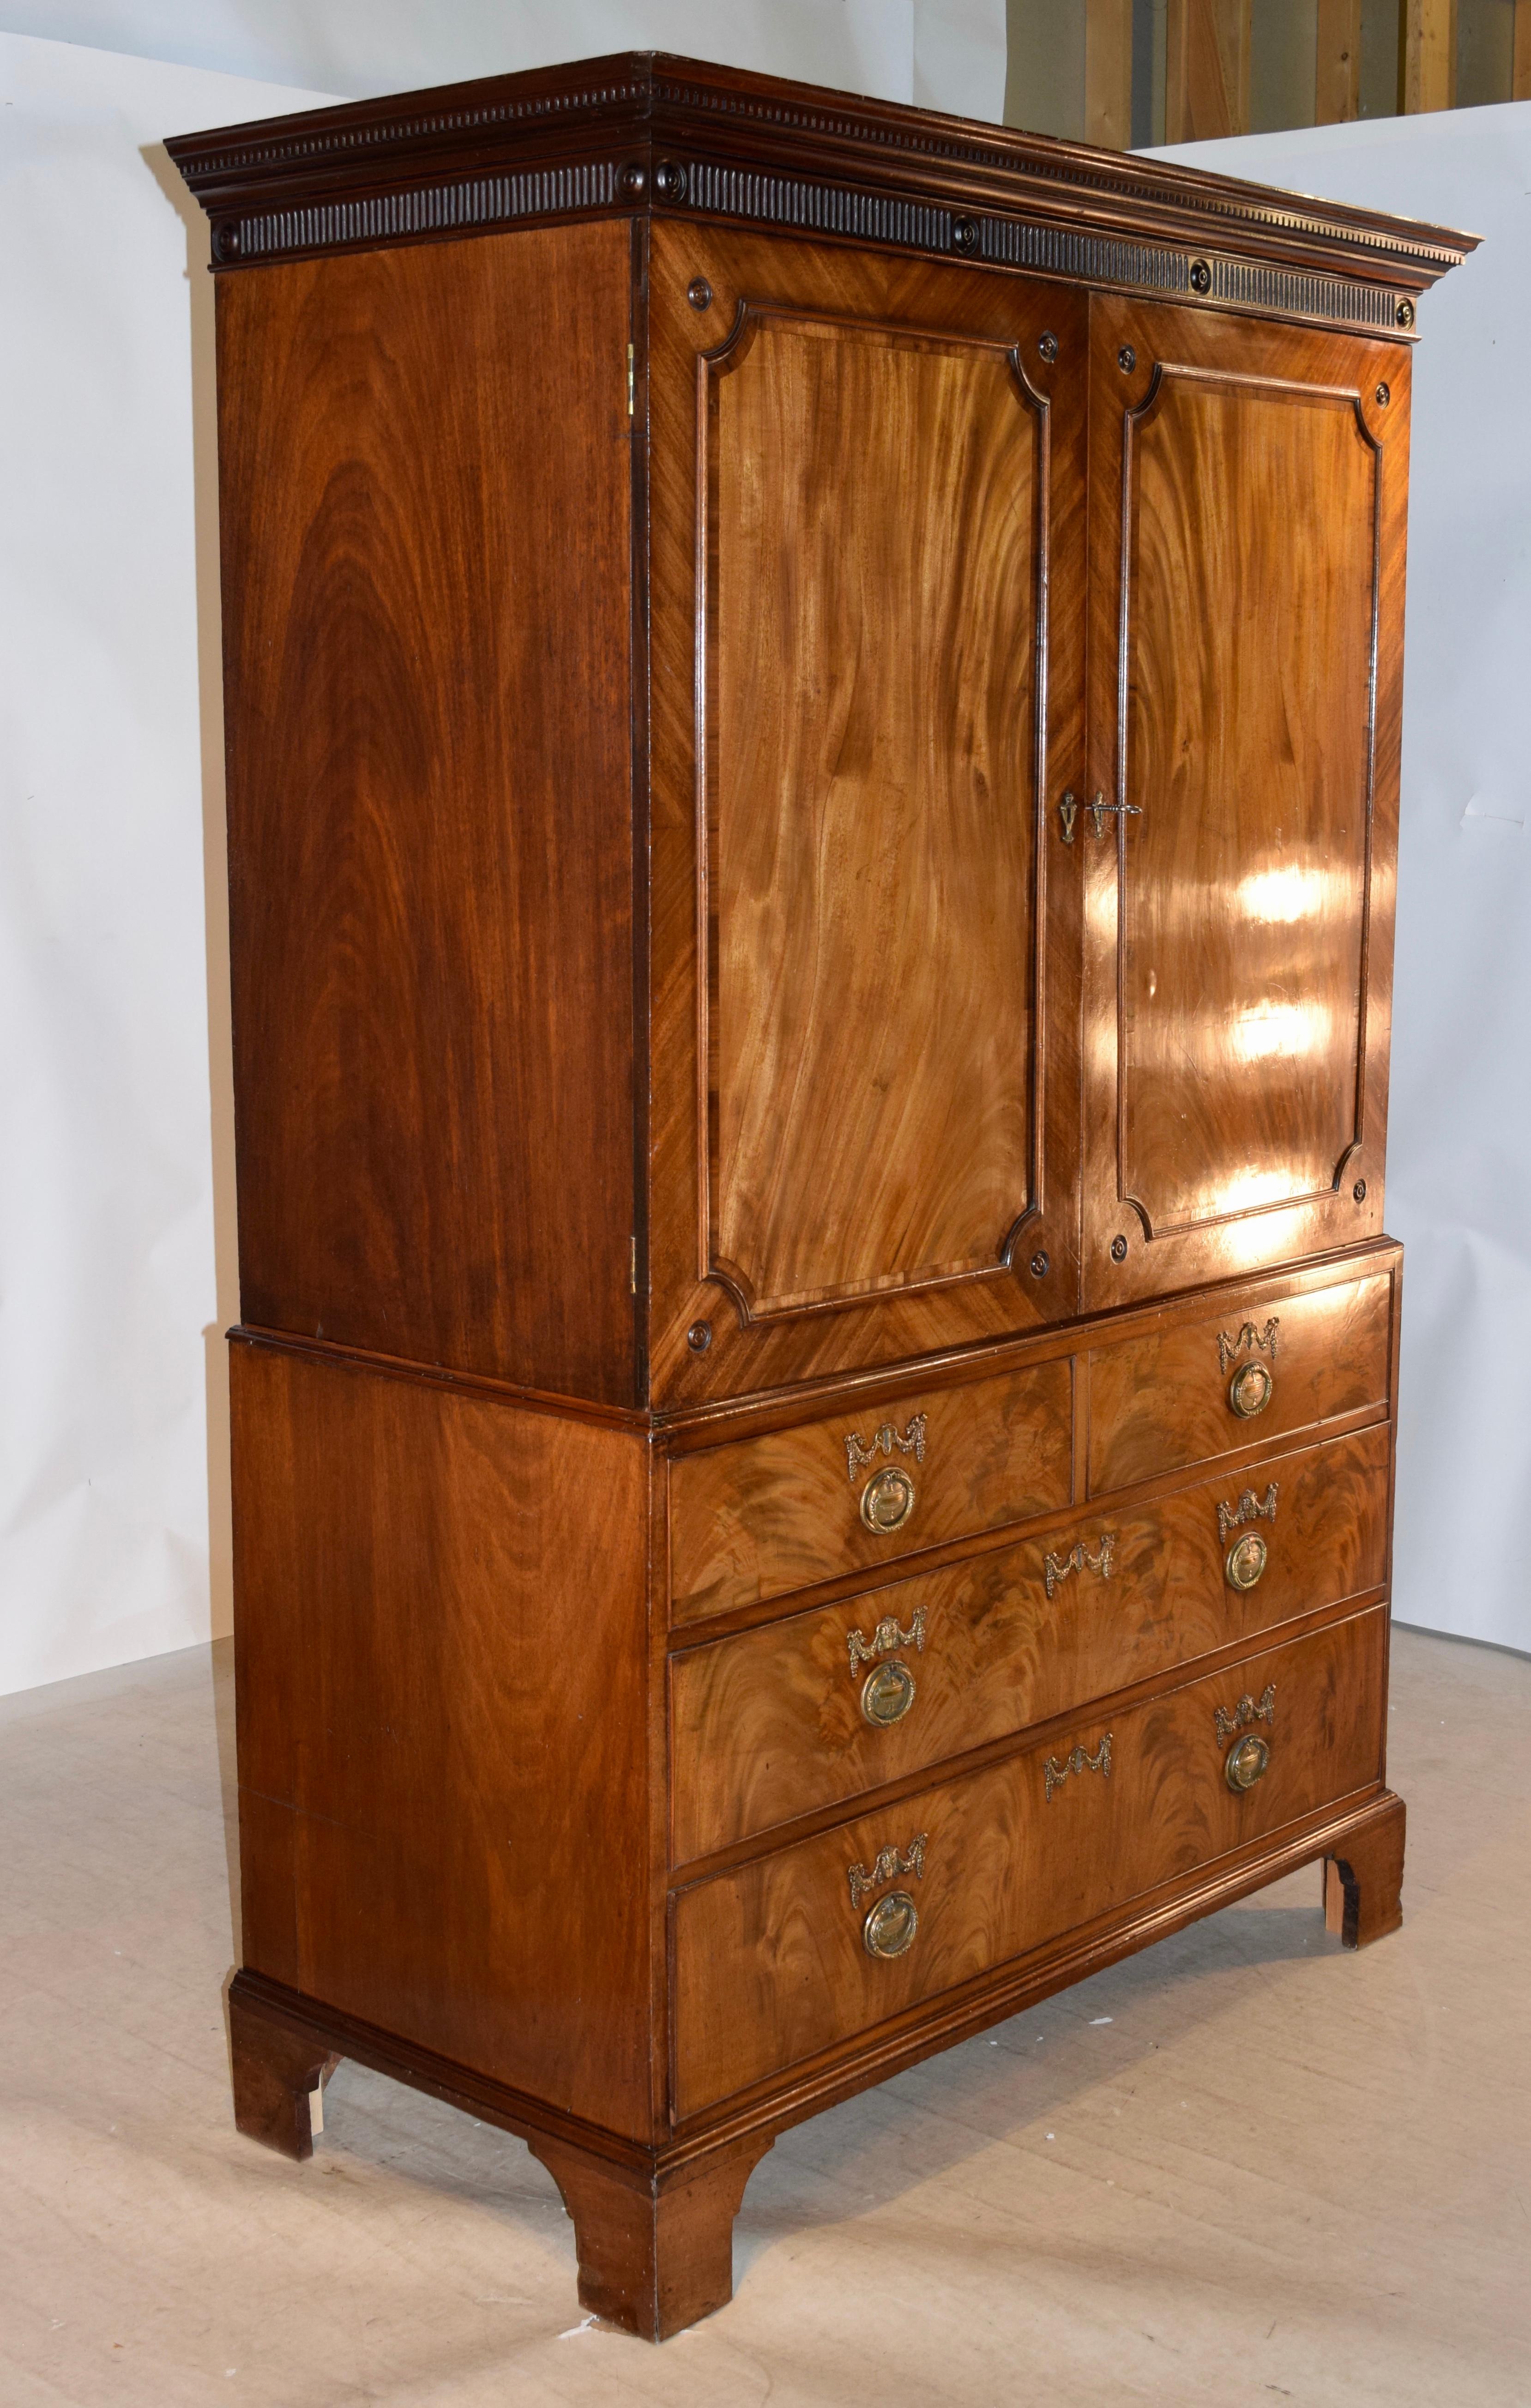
(864, 1487)
(1200, 1388)
(771, 1724)
(774, 1963)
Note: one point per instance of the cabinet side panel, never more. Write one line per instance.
(440, 1633)
(426, 502)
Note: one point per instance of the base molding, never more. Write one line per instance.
(653, 2221)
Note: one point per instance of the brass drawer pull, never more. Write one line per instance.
(1077, 1760)
(888, 1691)
(1251, 1390)
(1246, 1760)
(888, 1498)
(1246, 1560)
(1252, 1387)
(1079, 1560)
(890, 1925)
(887, 1501)
(1246, 1763)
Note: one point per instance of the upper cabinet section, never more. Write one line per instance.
(1247, 531)
(867, 611)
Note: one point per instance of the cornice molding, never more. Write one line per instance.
(651, 131)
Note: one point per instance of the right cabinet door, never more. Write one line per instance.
(1248, 487)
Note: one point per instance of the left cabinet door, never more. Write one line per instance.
(866, 585)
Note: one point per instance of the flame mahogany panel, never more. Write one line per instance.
(437, 1597)
(1248, 491)
(865, 979)
(769, 1965)
(426, 472)
(768, 1725)
(871, 769)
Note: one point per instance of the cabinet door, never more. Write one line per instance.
(866, 533)
(1248, 487)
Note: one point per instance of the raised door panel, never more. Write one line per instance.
(1248, 490)
(860, 543)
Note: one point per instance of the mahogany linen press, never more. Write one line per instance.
(812, 700)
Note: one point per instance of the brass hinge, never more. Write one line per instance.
(629, 380)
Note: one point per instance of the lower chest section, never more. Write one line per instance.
(969, 1671)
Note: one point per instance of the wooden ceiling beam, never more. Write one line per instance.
(1336, 80)
(1427, 56)
(1206, 69)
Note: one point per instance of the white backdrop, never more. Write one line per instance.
(115, 1232)
(1459, 1140)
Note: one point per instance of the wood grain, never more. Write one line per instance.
(426, 683)
(1208, 46)
(1247, 536)
(1161, 1400)
(436, 1600)
(769, 1962)
(1337, 78)
(892, 954)
(768, 1725)
(771, 1514)
(871, 768)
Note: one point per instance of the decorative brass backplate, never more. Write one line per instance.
(1245, 1713)
(887, 1694)
(1245, 1764)
(858, 1457)
(1245, 1560)
(1249, 1509)
(1079, 1560)
(891, 1925)
(887, 1501)
(891, 1862)
(1077, 1760)
(1248, 1341)
(885, 1639)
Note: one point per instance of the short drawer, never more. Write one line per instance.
(816, 1708)
(766, 1515)
(778, 1961)
(1199, 1389)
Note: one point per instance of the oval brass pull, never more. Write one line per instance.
(887, 1501)
(1245, 1763)
(887, 1694)
(1251, 1390)
(891, 1925)
(1246, 1560)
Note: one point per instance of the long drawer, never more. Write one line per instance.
(1183, 1394)
(818, 1707)
(866, 1485)
(818, 1942)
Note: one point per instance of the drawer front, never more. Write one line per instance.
(768, 1515)
(816, 1708)
(774, 1963)
(1199, 1389)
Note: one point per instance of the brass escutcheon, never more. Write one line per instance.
(1246, 1560)
(1249, 1390)
(887, 1694)
(887, 1501)
(891, 1925)
(1245, 1763)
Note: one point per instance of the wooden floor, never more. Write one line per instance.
(1243, 2166)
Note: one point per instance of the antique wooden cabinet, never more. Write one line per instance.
(813, 705)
